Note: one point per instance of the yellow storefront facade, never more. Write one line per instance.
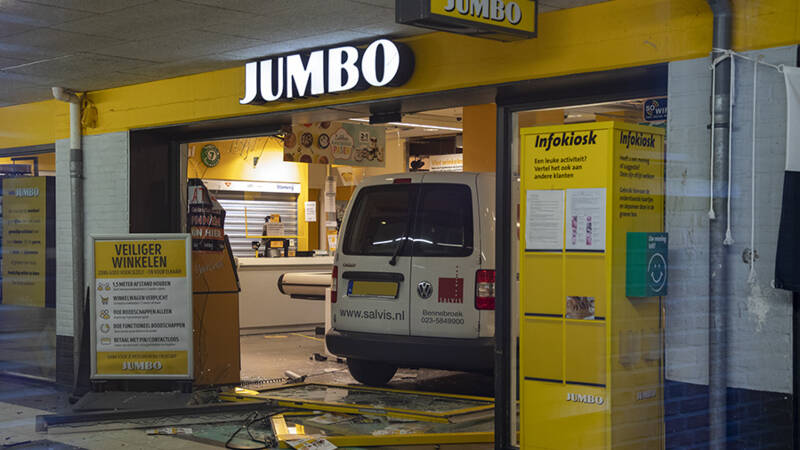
(617, 35)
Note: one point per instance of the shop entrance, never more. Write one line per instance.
(556, 102)
(283, 206)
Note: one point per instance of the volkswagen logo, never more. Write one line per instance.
(424, 289)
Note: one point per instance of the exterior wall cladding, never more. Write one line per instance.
(759, 317)
(106, 203)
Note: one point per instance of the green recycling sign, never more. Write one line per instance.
(646, 264)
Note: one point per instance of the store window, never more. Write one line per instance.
(27, 302)
(591, 182)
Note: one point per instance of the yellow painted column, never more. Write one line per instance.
(480, 137)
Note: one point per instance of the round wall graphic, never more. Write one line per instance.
(209, 154)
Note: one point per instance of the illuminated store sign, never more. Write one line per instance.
(503, 20)
(328, 71)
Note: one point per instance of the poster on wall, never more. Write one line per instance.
(447, 163)
(141, 306)
(544, 220)
(206, 218)
(335, 143)
(586, 220)
(28, 232)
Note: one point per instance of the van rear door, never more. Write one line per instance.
(445, 257)
(374, 261)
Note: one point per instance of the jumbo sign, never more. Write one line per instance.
(327, 71)
(496, 10)
(504, 20)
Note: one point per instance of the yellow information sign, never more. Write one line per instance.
(142, 307)
(25, 241)
(590, 357)
(140, 259)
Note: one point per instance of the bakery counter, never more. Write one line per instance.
(262, 307)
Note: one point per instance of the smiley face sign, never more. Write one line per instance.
(646, 265)
(657, 273)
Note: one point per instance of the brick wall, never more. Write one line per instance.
(759, 317)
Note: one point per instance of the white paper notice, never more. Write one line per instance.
(311, 211)
(276, 229)
(544, 220)
(586, 220)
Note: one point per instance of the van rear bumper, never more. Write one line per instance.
(414, 351)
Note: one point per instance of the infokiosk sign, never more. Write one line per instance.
(327, 71)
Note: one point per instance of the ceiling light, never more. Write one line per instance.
(414, 125)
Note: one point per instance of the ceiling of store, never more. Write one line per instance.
(98, 44)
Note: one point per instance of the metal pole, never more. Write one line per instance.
(76, 212)
(76, 199)
(718, 270)
(502, 317)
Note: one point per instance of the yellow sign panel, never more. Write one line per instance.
(142, 363)
(140, 259)
(559, 158)
(24, 241)
(142, 307)
(513, 14)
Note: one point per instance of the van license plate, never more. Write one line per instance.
(387, 289)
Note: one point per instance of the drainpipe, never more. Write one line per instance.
(718, 270)
(76, 197)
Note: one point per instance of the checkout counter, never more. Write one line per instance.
(263, 308)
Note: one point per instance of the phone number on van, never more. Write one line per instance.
(442, 317)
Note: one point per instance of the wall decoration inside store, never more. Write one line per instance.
(210, 155)
(335, 143)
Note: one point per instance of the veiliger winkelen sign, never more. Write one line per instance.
(141, 307)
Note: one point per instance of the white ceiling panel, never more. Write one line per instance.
(57, 42)
(308, 42)
(188, 44)
(382, 3)
(16, 11)
(10, 62)
(9, 28)
(27, 53)
(153, 19)
(93, 6)
(261, 7)
(80, 66)
(158, 71)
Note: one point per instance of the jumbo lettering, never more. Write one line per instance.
(496, 10)
(327, 71)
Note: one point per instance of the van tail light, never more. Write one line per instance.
(334, 283)
(484, 290)
(402, 180)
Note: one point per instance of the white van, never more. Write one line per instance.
(413, 276)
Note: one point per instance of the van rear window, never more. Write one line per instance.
(441, 221)
(379, 220)
(443, 225)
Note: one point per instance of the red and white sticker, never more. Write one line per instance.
(451, 290)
